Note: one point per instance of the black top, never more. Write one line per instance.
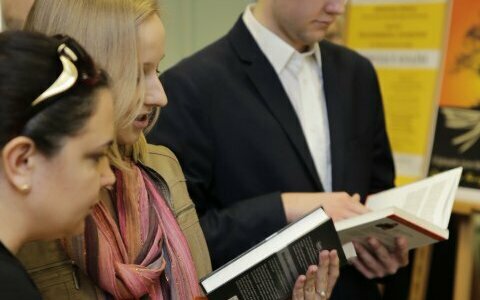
(14, 280)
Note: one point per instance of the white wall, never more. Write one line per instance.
(192, 24)
(1, 16)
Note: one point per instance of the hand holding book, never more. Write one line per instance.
(417, 213)
(376, 261)
(271, 269)
(338, 205)
(319, 281)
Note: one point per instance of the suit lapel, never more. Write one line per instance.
(264, 78)
(336, 108)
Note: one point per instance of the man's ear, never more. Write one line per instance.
(18, 159)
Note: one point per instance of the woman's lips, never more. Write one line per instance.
(141, 121)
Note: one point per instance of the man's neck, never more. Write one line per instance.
(259, 11)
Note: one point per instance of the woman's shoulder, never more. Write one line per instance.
(159, 150)
(164, 162)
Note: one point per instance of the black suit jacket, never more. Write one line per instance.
(241, 145)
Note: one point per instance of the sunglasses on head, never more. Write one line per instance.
(76, 64)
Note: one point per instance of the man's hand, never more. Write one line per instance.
(376, 261)
(338, 205)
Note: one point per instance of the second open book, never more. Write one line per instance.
(419, 211)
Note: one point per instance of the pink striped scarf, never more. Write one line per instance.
(140, 252)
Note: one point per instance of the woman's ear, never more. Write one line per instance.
(18, 159)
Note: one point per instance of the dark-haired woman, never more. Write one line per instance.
(56, 123)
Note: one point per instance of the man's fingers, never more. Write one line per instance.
(384, 257)
(355, 206)
(377, 260)
(358, 264)
(401, 251)
(356, 197)
(369, 261)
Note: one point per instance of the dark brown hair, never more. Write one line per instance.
(29, 64)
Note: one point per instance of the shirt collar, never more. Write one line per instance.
(277, 51)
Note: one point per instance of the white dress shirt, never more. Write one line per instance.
(301, 77)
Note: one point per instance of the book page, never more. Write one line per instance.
(430, 199)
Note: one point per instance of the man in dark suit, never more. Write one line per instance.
(268, 122)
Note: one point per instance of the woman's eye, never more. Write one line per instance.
(98, 157)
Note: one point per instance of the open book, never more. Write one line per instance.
(419, 211)
(269, 269)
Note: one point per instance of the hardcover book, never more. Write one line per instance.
(269, 270)
(419, 211)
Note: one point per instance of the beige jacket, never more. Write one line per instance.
(58, 278)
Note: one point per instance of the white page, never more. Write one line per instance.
(430, 199)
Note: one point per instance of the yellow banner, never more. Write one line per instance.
(396, 26)
(410, 97)
(404, 40)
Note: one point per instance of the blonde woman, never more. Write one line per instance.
(143, 239)
(132, 238)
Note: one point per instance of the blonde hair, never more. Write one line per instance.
(108, 31)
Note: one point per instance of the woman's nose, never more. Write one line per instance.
(155, 94)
